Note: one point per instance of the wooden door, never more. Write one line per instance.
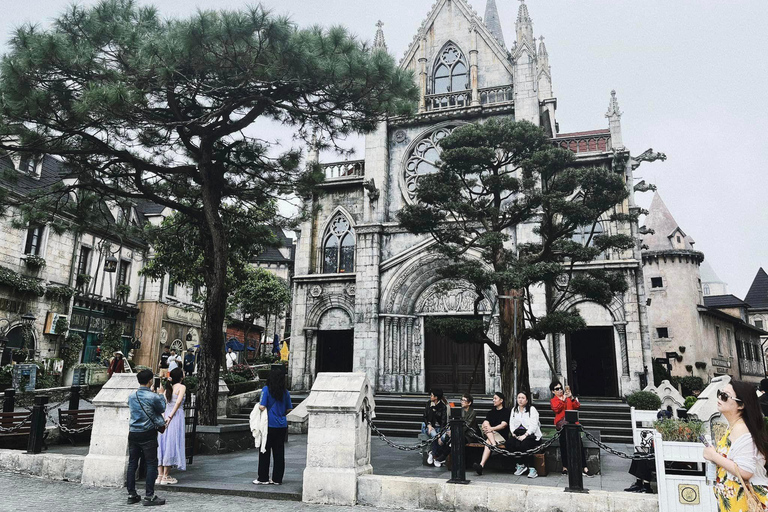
(450, 365)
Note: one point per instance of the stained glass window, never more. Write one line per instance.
(339, 247)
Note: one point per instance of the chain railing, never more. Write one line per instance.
(66, 429)
(501, 451)
(14, 428)
(405, 448)
(612, 451)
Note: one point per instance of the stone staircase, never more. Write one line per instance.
(401, 415)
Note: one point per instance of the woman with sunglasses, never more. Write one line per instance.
(561, 402)
(741, 453)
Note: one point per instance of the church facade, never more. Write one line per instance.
(363, 286)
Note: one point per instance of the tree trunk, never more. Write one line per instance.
(514, 364)
(215, 250)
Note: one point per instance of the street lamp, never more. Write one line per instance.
(110, 264)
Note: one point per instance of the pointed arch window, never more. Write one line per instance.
(339, 246)
(585, 235)
(451, 71)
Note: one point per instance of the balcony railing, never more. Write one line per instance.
(448, 100)
(349, 169)
(749, 367)
(493, 95)
(592, 143)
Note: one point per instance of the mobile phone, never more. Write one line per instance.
(156, 383)
(704, 440)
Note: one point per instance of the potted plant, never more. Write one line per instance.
(122, 291)
(34, 262)
(19, 355)
(82, 281)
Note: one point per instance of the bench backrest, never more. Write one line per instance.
(76, 418)
(13, 419)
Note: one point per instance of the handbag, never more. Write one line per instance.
(159, 429)
(753, 502)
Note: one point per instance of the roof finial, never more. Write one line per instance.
(378, 41)
(613, 106)
(522, 12)
(492, 21)
(614, 122)
(542, 48)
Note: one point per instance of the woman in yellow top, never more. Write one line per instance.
(742, 449)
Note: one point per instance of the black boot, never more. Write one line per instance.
(635, 487)
(646, 489)
(478, 468)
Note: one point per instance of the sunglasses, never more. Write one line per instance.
(557, 388)
(723, 396)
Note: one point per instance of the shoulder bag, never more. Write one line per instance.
(159, 429)
(753, 502)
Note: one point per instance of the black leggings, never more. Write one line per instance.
(275, 447)
(530, 442)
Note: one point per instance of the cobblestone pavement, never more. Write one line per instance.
(25, 493)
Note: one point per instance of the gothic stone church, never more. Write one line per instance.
(363, 286)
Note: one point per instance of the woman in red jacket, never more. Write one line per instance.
(561, 402)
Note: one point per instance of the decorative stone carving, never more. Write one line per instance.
(163, 336)
(316, 291)
(649, 155)
(400, 136)
(350, 289)
(373, 192)
(459, 300)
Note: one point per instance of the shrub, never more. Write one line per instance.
(6, 376)
(191, 382)
(233, 378)
(60, 294)
(243, 370)
(45, 382)
(644, 401)
(70, 349)
(688, 384)
(689, 401)
(660, 373)
(673, 429)
(21, 284)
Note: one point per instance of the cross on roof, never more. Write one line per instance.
(379, 24)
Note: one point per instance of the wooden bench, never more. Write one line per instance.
(75, 419)
(9, 420)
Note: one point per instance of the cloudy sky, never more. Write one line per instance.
(690, 78)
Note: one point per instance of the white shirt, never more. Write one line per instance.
(744, 452)
(528, 420)
(173, 362)
(231, 358)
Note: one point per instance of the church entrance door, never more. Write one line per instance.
(450, 365)
(334, 350)
(592, 362)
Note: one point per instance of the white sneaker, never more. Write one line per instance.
(430, 458)
(259, 482)
(438, 464)
(532, 473)
(520, 469)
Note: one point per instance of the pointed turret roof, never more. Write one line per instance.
(522, 12)
(665, 227)
(378, 40)
(757, 297)
(542, 48)
(492, 21)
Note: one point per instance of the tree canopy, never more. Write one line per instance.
(142, 108)
(501, 179)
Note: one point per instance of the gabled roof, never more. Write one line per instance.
(273, 254)
(664, 225)
(757, 297)
(724, 301)
(469, 13)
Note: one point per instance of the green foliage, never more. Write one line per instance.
(112, 341)
(61, 326)
(6, 376)
(33, 262)
(660, 373)
(60, 294)
(82, 280)
(689, 401)
(46, 381)
(139, 367)
(672, 429)
(494, 176)
(243, 370)
(70, 349)
(260, 293)
(688, 384)
(233, 378)
(19, 283)
(122, 291)
(644, 401)
(191, 382)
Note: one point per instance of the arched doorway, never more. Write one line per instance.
(335, 342)
(15, 341)
(591, 354)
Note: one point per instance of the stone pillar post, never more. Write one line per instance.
(339, 440)
(221, 401)
(422, 72)
(621, 328)
(473, 79)
(107, 460)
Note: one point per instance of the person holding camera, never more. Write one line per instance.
(563, 400)
(146, 408)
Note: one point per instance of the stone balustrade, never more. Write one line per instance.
(448, 100)
(495, 95)
(347, 169)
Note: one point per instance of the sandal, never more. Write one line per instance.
(169, 480)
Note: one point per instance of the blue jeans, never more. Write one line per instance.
(142, 444)
(433, 434)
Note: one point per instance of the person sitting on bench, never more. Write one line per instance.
(526, 432)
(441, 447)
(435, 414)
(495, 428)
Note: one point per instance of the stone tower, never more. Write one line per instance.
(673, 286)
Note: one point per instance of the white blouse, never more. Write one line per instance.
(744, 452)
(528, 420)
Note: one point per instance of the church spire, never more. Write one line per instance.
(492, 21)
(544, 74)
(524, 25)
(614, 122)
(378, 41)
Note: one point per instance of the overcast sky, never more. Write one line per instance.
(690, 78)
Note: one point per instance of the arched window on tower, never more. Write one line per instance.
(339, 246)
(585, 235)
(451, 71)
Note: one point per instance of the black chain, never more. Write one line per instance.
(603, 446)
(501, 451)
(16, 427)
(406, 448)
(68, 430)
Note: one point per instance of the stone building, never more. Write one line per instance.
(757, 298)
(91, 276)
(693, 333)
(711, 284)
(363, 286)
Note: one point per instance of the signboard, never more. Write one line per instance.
(725, 363)
(688, 494)
(50, 322)
(25, 370)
